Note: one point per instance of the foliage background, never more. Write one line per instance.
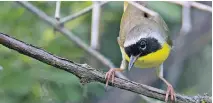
(25, 80)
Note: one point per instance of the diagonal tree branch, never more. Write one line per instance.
(88, 74)
(57, 10)
(82, 12)
(194, 4)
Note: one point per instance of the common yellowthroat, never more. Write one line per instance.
(144, 43)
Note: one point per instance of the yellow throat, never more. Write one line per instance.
(153, 59)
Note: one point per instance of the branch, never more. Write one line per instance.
(57, 10)
(186, 18)
(82, 12)
(88, 74)
(186, 25)
(94, 42)
(155, 14)
(195, 5)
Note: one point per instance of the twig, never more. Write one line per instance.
(186, 18)
(57, 10)
(82, 12)
(69, 35)
(195, 5)
(57, 14)
(73, 16)
(186, 25)
(201, 6)
(88, 74)
(94, 42)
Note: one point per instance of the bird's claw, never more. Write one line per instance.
(110, 75)
(170, 91)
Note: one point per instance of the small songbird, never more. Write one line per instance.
(144, 43)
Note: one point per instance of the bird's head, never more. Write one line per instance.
(140, 43)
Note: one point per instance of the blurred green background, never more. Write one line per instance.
(25, 80)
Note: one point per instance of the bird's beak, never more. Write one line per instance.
(132, 61)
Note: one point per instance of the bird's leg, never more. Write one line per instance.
(111, 73)
(170, 89)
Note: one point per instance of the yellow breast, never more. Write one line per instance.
(152, 60)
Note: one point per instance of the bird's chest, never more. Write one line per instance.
(153, 59)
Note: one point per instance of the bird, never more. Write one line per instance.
(144, 43)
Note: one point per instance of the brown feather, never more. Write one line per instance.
(133, 17)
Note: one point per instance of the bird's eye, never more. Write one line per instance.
(142, 45)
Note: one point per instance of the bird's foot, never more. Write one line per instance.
(110, 75)
(170, 91)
